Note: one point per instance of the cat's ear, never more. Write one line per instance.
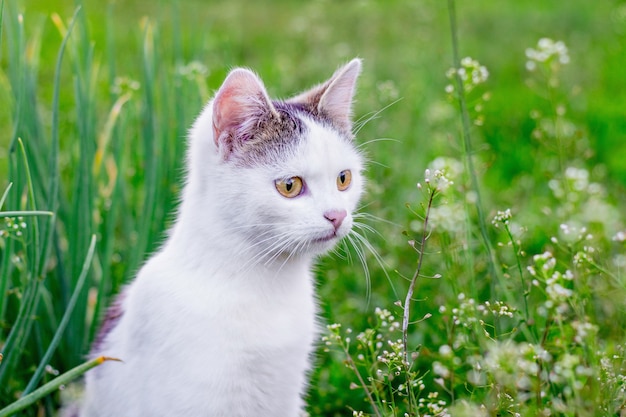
(332, 100)
(239, 103)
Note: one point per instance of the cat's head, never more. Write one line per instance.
(283, 177)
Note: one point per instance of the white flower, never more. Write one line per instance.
(470, 72)
(440, 369)
(620, 236)
(502, 217)
(445, 351)
(437, 179)
(557, 291)
(547, 50)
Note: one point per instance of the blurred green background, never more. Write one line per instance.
(180, 51)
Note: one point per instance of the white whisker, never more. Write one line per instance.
(361, 255)
(367, 228)
(272, 251)
(369, 216)
(363, 241)
(365, 119)
(380, 164)
(378, 140)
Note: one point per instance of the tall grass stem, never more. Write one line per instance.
(65, 320)
(467, 147)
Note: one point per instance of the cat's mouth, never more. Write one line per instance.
(328, 238)
(325, 238)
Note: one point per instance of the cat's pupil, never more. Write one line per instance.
(289, 185)
(342, 177)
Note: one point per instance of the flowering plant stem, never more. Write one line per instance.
(409, 295)
(352, 365)
(525, 288)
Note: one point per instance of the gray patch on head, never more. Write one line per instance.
(311, 109)
(270, 138)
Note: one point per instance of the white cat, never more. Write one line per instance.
(222, 320)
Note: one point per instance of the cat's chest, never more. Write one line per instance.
(246, 315)
(275, 312)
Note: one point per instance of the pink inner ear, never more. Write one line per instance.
(241, 97)
(333, 98)
(337, 99)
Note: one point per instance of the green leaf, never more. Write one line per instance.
(53, 385)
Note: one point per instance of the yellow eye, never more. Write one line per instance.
(289, 188)
(344, 179)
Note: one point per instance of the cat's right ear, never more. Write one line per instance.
(238, 104)
(332, 100)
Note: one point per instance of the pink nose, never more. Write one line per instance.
(336, 217)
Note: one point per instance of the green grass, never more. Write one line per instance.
(93, 127)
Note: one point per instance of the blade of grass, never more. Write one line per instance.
(107, 229)
(5, 274)
(108, 225)
(18, 76)
(53, 385)
(5, 267)
(65, 320)
(4, 271)
(25, 213)
(148, 136)
(32, 203)
(5, 194)
(24, 67)
(53, 160)
(19, 332)
(1, 19)
(81, 221)
(105, 286)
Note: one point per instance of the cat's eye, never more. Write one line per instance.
(290, 188)
(344, 179)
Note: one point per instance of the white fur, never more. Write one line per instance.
(220, 322)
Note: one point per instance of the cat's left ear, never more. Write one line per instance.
(332, 100)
